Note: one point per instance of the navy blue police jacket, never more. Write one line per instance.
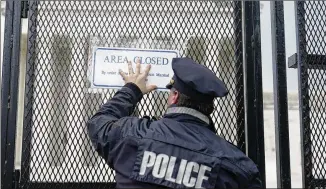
(179, 150)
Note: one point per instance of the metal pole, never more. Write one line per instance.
(5, 88)
(254, 95)
(13, 93)
(280, 96)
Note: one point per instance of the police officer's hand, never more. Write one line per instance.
(138, 78)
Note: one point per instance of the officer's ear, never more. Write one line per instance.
(174, 96)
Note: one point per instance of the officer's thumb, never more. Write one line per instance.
(151, 88)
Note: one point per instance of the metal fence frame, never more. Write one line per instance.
(280, 96)
(251, 85)
(302, 61)
(9, 95)
(254, 90)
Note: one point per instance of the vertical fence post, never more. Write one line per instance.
(254, 91)
(280, 96)
(10, 90)
(241, 133)
(5, 89)
(303, 78)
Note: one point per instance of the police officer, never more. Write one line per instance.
(180, 150)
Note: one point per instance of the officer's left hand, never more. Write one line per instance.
(138, 78)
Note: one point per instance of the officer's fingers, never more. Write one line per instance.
(138, 60)
(131, 71)
(138, 68)
(123, 75)
(147, 69)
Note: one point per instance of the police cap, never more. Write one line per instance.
(196, 80)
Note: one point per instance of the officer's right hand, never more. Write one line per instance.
(138, 78)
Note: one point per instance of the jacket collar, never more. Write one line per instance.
(188, 111)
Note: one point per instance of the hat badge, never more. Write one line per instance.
(171, 81)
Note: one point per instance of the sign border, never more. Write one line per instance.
(126, 49)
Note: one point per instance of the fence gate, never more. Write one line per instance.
(58, 100)
(310, 60)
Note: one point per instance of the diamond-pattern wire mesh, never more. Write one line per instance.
(315, 64)
(59, 101)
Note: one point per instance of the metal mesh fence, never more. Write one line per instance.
(313, 81)
(58, 100)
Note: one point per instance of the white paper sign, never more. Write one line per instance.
(108, 61)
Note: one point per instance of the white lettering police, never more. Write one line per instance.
(163, 166)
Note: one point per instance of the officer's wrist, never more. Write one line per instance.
(135, 89)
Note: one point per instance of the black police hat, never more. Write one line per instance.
(196, 80)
